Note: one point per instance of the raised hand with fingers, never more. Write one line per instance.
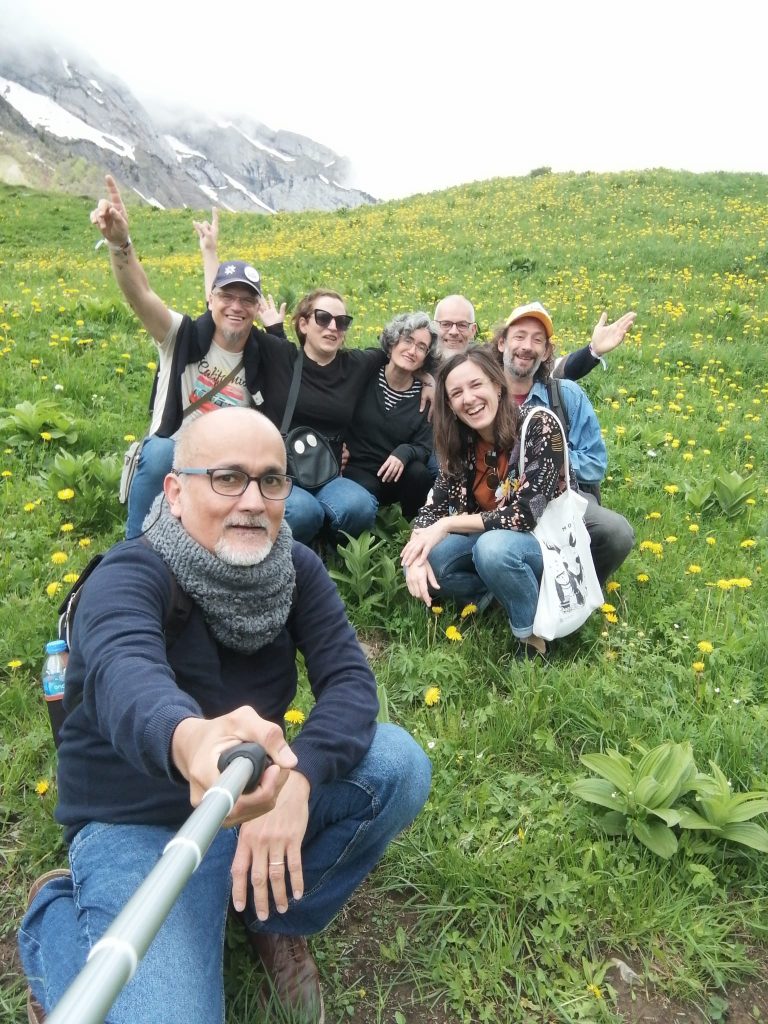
(269, 314)
(111, 217)
(606, 337)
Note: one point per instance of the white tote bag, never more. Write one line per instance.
(569, 590)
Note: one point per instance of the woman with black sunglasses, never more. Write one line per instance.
(473, 539)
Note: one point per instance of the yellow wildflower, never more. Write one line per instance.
(653, 515)
(467, 610)
(84, 542)
(42, 787)
(46, 436)
(52, 589)
(671, 488)
(698, 666)
(437, 609)
(594, 990)
(14, 664)
(705, 646)
(59, 557)
(606, 608)
(749, 543)
(453, 634)
(742, 582)
(65, 494)
(611, 586)
(129, 438)
(432, 696)
(694, 527)
(711, 541)
(30, 506)
(643, 577)
(693, 569)
(72, 577)
(613, 619)
(294, 717)
(66, 527)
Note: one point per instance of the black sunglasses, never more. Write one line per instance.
(323, 319)
(491, 460)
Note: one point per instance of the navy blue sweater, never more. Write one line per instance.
(125, 694)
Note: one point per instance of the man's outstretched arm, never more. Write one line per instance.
(111, 218)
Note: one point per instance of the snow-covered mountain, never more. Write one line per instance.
(64, 123)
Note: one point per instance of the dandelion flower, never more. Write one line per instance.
(72, 577)
(611, 586)
(437, 609)
(52, 589)
(453, 634)
(653, 515)
(46, 436)
(671, 488)
(705, 646)
(65, 494)
(6, 473)
(698, 666)
(595, 991)
(642, 577)
(84, 542)
(606, 608)
(66, 527)
(467, 610)
(432, 696)
(671, 539)
(42, 787)
(749, 543)
(693, 569)
(694, 528)
(14, 664)
(128, 438)
(742, 582)
(711, 541)
(612, 618)
(30, 506)
(59, 557)
(294, 717)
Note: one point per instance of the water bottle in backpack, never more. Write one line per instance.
(54, 669)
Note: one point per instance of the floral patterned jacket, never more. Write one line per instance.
(520, 500)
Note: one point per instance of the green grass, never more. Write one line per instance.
(504, 901)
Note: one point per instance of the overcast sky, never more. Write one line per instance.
(423, 94)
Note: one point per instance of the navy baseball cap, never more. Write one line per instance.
(237, 272)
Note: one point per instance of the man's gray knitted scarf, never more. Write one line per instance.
(244, 606)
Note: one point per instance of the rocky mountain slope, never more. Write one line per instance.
(64, 122)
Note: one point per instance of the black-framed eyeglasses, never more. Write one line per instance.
(462, 326)
(227, 298)
(323, 319)
(231, 483)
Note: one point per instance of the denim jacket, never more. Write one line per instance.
(589, 459)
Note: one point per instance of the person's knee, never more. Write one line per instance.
(398, 771)
(304, 514)
(351, 512)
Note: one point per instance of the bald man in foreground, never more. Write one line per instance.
(147, 722)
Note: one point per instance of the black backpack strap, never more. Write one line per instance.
(293, 394)
(556, 403)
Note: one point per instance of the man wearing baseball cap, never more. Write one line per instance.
(525, 348)
(202, 366)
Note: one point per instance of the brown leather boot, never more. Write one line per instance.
(35, 1012)
(292, 973)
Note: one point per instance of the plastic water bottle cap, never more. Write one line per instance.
(56, 647)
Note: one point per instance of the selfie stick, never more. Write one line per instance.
(113, 960)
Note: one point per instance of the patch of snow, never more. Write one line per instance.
(182, 151)
(66, 68)
(95, 84)
(148, 199)
(250, 195)
(213, 195)
(259, 145)
(42, 112)
(344, 188)
(324, 180)
(330, 164)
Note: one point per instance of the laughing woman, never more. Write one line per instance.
(390, 438)
(474, 538)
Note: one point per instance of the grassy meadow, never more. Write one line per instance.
(508, 899)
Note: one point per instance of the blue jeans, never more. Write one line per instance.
(351, 822)
(155, 462)
(504, 563)
(346, 505)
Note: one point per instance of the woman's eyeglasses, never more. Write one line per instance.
(323, 319)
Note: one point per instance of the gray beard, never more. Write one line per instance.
(235, 556)
(520, 374)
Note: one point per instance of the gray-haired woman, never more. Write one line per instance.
(389, 440)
